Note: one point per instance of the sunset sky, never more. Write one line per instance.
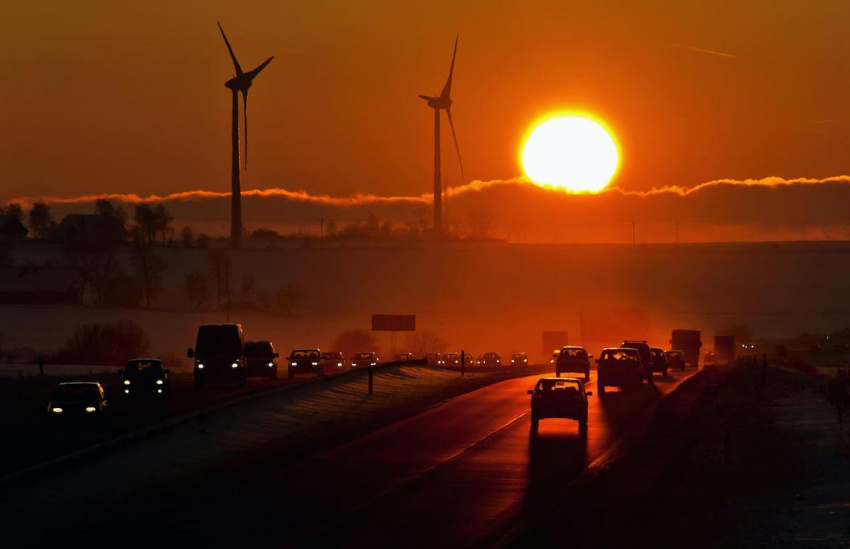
(115, 97)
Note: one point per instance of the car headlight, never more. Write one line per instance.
(57, 410)
(293, 364)
(159, 391)
(126, 391)
(234, 365)
(126, 382)
(315, 364)
(91, 409)
(374, 363)
(339, 364)
(200, 366)
(159, 382)
(271, 364)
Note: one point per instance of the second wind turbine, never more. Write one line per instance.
(442, 102)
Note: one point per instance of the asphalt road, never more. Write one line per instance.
(459, 474)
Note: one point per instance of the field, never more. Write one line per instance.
(497, 297)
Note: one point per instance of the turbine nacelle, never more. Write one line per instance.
(440, 103)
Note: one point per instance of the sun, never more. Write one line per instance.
(573, 153)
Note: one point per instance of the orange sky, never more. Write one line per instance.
(114, 97)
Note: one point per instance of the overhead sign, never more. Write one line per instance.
(393, 323)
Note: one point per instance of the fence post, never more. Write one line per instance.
(370, 380)
(462, 363)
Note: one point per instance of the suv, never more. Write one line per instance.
(573, 359)
(659, 360)
(144, 376)
(365, 360)
(334, 359)
(619, 368)
(519, 358)
(563, 397)
(305, 361)
(676, 359)
(645, 354)
(219, 354)
(260, 358)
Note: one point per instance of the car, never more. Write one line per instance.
(433, 359)
(619, 367)
(489, 359)
(450, 359)
(560, 397)
(645, 353)
(305, 361)
(469, 358)
(365, 359)
(676, 359)
(519, 359)
(334, 360)
(219, 354)
(573, 359)
(260, 359)
(555, 354)
(144, 377)
(78, 402)
(403, 357)
(659, 360)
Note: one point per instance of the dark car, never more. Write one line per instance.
(403, 357)
(261, 359)
(519, 359)
(573, 359)
(468, 358)
(449, 359)
(561, 397)
(78, 402)
(219, 354)
(676, 359)
(144, 376)
(305, 361)
(619, 368)
(645, 353)
(333, 360)
(489, 359)
(659, 360)
(365, 359)
(433, 359)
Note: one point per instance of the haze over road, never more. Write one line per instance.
(460, 473)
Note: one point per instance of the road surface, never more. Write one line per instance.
(460, 473)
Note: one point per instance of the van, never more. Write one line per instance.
(219, 354)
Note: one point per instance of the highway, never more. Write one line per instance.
(459, 474)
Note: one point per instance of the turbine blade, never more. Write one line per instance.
(232, 55)
(447, 89)
(245, 122)
(256, 71)
(454, 136)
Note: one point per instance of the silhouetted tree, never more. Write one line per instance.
(40, 219)
(146, 222)
(14, 209)
(6, 252)
(110, 344)
(247, 290)
(288, 296)
(104, 207)
(149, 267)
(197, 290)
(422, 342)
(95, 264)
(355, 341)
(187, 237)
(162, 220)
(221, 268)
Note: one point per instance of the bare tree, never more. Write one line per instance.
(105, 207)
(355, 341)
(149, 268)
(187, 237)
(422, 342)
(162, 220)
(96, 264)
(40, 219)
(14, 209)
(146, 222)
(288, 296)
(197, 290)
(222, 266)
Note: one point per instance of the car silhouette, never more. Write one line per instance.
(619, 368)
(676, 359)
(659, 360)
(78, 402)
(450, 359)
(645, 353)
(489, 359)
(364, 360)
(305, 361)
(260, 358)
(573, 359)
(518, 359)
(144, 377)
(403, 357)
(334, 360)
(559, 397)
(433, 359)
(219, 354)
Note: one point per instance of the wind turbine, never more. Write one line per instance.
(442, 102)
(239, 83)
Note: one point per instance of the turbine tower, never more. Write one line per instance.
(239, 83)
(442, 102)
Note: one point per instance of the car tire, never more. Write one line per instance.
(535, 421)
(587, 375)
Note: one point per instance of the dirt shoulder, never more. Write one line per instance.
(725, 461)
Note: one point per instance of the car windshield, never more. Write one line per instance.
(219, 339)
(363, 355)
(143, 368)
(554, 386)
(332, 355)
(305, 354)
(624, 355)
(77, 392)
(491, 355)
(573, 354)
(258, 348)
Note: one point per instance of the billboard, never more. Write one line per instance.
(393, 323)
